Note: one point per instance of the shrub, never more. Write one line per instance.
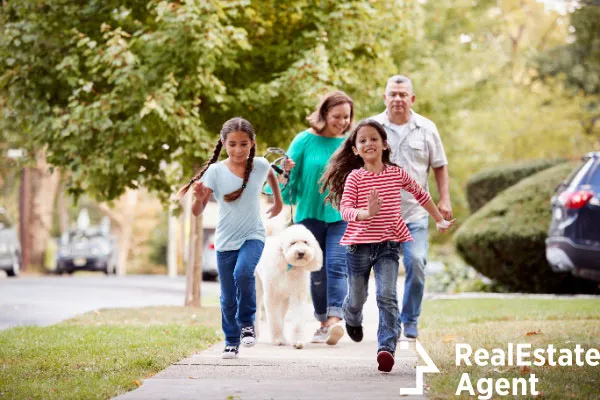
(505, 240)
(485, 185)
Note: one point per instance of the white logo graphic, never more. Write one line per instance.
(430, 367)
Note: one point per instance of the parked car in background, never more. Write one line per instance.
(91, 249)
(209, 259)
(10, 247)
(573, 242)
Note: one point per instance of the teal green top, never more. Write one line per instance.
(311, 153)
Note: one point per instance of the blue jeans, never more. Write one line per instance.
(383, 258)
(329, 285)
(238, 289)
(415, 260)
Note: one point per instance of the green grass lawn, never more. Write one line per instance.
(108, 352)
(101, 354)
(493, 323)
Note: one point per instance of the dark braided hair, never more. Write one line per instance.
(344, 161)
(236, 124)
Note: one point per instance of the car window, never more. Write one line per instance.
(594, 175)
(577, 175)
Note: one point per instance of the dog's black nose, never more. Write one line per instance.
(300, 254)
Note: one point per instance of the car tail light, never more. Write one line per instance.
(211, 246)
(576, 200)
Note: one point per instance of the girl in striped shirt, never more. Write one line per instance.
(366, 186)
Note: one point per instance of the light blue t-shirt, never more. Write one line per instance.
(239, 220)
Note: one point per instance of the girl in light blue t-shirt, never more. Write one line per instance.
(239, 239)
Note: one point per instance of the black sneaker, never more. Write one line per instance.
(248, 336)
(355, 332)
(230, 352)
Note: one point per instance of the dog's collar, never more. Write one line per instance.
(289, 266)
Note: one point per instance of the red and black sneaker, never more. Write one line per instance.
(385, 359)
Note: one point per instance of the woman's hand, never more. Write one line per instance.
(288, 164)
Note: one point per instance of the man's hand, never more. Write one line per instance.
(445, 209)
(443, 225)
(374, 203)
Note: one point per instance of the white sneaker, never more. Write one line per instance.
(248, 336)
(230, 352)
(320, 335)
(335, 334)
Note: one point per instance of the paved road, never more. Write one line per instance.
(47, 300)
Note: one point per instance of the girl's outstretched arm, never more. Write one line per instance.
(441, 224)
(424, 199)
(278, 206)
(201, 195)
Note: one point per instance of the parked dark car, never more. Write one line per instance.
(88, 249)
(573, 242)
(10, 247)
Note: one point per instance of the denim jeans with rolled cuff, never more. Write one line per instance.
(329, 285)
(383, 259)
(238, 288)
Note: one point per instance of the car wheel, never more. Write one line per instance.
(16, 268)
(69, 271)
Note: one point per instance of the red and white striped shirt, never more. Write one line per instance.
(387, 225)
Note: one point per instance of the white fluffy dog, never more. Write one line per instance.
(282, 277)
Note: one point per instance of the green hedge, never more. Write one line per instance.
(486, 184)
(505, 240)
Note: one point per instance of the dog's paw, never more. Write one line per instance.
(299, 345)
(278, 342)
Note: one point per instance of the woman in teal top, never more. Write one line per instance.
(310, 152)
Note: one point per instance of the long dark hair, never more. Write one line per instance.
(236, 124)
(318, 119)
(344, 161)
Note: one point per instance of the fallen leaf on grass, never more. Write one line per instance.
(499, 371)
(538, 332)
(449, 338)
(525, 370)
(137, 383)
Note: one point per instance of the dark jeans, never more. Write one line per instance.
(383, 258)
(329, 285)
(238, 288)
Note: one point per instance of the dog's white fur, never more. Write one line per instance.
(284, 289)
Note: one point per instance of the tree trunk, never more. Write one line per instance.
(44, 186)
(194, 271)
(122, 223)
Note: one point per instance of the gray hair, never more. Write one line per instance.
(400, 79)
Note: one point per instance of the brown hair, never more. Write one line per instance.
(344, 161)
(318, 119)
(236, 124)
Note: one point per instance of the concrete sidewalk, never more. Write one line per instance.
(345, 371)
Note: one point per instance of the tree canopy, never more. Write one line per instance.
(116, 91)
